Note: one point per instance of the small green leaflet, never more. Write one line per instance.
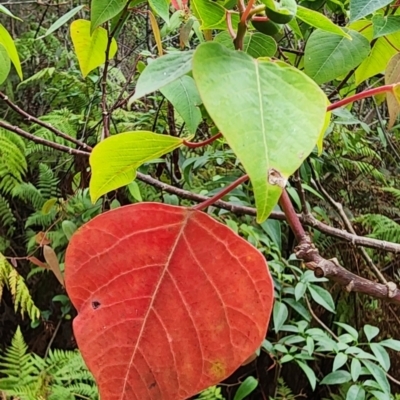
(61, 21)
(362, 8)
(103, 10)
(162, 71)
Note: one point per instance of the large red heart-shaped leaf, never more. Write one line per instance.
(169, 301)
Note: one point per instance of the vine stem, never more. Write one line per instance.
(361, 95)
(193, 145)
(221, 194)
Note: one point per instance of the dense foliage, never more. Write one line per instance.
(276, 108)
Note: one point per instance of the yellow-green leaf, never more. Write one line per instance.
(393, 99)
(320, 142)
(48, 205)
(318, 20)
(114, 161)
(7, 41)
(5, 64)
(382, 51)
(90, 49)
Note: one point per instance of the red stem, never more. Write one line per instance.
(221, 194)
(291, 217)
(246, 12)
(361, 95)
(193, 145)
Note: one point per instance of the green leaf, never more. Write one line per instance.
(310, 345)
(299, 290)
(355, 392)
(309, 373)
(273, 229)
(68, 228)
(349, 329)
(211, 14)
(163, 71)
(7, 41)
(385, 25)
(391, 343)
(378, 373)
(161, 7)
(271, 117)
(328, 56)
(379, 395)
(336, 378)
(339, 361)
(48, 206)
(134, 190)
(90, 49)
(370, 331)
(103, 10)
(299, 308)
(322, 297)
(355, 369)
(185, 98)
(382, 51)
(318, 20)
(255, 44)
(5, 64)
(362, 8)
(280, 314)
(6, 11)
(61, 21)
(114, 161)
(245, 388)
(381, 355)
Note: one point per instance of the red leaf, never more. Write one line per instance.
(179, 4)
(169, 300)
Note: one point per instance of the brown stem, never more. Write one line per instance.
(40, 140)
(37, 121)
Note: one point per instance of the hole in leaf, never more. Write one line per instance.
(96, 304)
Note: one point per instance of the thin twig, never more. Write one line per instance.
(318, 320)
(339, 208)
(37, 121)
(40, 140)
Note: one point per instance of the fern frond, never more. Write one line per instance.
(5, 270)
(29, 194)
(18, 289)
(212, 393)
(381, 227)
(61, 376)
(47, 182)
(17, 365)
(13, 165)
(394, 192)
(7, 219)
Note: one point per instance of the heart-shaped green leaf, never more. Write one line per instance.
(103, 10)
(114, 161)
(271, 115)
(328, 56)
